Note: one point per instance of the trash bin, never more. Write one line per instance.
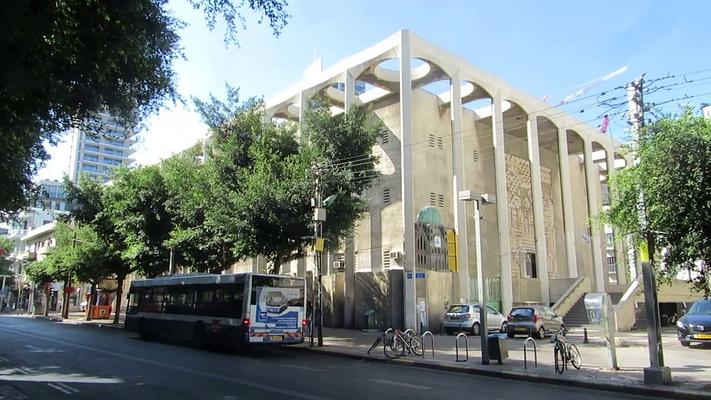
(369, 319)
(101, 312)
(498, 347)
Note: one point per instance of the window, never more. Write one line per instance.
(529, 266)
(88, 147)
(384, 136)
(439, 142)
(431, 140)
(89, 157)
(475, 156)
(386, 196)
(433, 199)
(386, 259)
(440, 200)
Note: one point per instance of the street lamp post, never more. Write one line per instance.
(479, 199)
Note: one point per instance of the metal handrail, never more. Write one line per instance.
(424, 347)
(535, 353)
(456, 344)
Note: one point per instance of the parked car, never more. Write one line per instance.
(695, 326)
(535, 321)
(465, 317)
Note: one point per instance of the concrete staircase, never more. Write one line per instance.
(577, 317)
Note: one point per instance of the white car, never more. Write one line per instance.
(465, 317)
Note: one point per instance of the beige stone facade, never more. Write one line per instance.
(480, 133)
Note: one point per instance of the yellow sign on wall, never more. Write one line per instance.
(452, 250)
(320, 244)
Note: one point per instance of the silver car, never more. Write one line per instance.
(465, 317)
(535, 321)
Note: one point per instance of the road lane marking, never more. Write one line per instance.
(61, 389)
(305, 368)
(64, 385)
(35, 349)
(204, 374)
(403, 384)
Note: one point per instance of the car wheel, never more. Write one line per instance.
(476, 329)
(541, 333)
(685, 343)
(503, 327)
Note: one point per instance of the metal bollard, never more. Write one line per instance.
(585, 335)
(466, 343)
(424, 347)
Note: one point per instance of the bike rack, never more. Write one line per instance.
(535, 353)
(424, 347)
(410, 332)
(466, 343)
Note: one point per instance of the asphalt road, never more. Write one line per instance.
(45, 360)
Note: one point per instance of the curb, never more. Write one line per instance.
(656, 391)
(79, 323)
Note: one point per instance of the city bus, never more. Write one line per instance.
(231, 310)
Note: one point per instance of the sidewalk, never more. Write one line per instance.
(691, 367)
(79, 318)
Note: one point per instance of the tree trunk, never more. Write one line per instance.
(90, 302)
(119, 295)
(47, 297)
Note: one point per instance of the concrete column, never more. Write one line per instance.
(301, 267)
(255, 265)
(349, 267)
(460, 216)
(538, 217)
(408, 214)
(592, 185)
(350, 96)
(349, 286)
(502, 207)
(568, 222)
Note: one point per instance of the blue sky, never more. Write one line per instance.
(546, 48)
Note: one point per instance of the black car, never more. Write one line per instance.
(695, 326)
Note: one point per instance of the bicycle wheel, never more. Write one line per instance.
(575, 358)
(415, 345)
(394, 348)
(559, 357)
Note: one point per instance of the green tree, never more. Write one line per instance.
(201, 242)
(269, 177)
(135, 203)
(90, 210)
(64, 61)
(674, 173)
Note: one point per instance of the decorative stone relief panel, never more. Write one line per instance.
(520, 202)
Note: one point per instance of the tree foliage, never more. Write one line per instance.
(269, 177)
(674, 174)
(64, 61)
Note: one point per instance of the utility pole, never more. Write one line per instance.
(657, 373)
(319, 243)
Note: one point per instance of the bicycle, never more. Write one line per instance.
(564, 352)
(396, 343)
